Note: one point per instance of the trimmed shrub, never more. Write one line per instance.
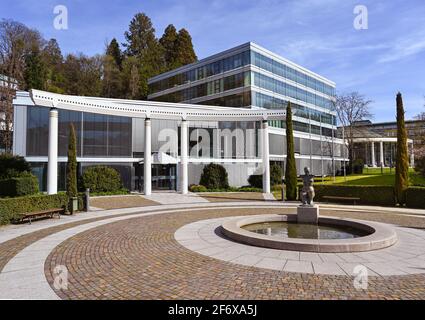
(275, 174)
(415, 197)
(214, 176)
(11, 166)
(11, 208)
(25, 184)
(256, 180)
(101, 179)
(197, 188)
(369, 195)
(420, 165)
(357, 166)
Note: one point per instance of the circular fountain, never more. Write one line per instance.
(328, 235)
(307, 231)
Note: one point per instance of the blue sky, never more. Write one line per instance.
(318, 34)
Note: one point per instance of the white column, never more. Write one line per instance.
(183, 157)
(381, 153)
(412, 156)
(52, 167)
(265, 155)
(148, 158)
(373, 154)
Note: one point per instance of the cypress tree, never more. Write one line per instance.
(71, 168)
(402, 158)
(291, 169)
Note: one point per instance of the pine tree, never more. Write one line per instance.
(402, 158)
(114, 51)
(140, 35)
(169, 43)
(142, 44)
(71, 168)
(184, 48)
(291, 169)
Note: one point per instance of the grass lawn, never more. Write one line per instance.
(370, 176)
(373, 176)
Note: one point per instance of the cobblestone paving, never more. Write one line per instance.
(118, 202)
(140, 259)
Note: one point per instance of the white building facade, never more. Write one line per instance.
(153, 145)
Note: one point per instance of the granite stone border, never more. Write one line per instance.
(405, 257)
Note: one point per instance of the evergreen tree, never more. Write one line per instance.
(142, 44)
(184, 48)
(114, 51)
(71, 168)
(169, 44)
(140, 35)
(111, 80)
(35, 70)
(53, 60)
(291, 169)
(402, 158)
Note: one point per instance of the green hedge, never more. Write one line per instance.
(369, 195)
(10, 208)
(415, 197)
(19, 186)
(201, 188)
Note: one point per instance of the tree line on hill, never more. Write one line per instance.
(28, 61)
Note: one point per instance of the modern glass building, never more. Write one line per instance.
(249, 76)
(227, 109)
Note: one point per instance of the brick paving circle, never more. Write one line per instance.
(139, 258)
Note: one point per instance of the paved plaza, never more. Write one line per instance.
(176, 251)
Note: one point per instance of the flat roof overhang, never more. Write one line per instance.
(379, 139)
(150, 109)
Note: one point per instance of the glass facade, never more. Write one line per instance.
(202, 72)
(266, 83)
(285, 71)
(218, 86)
(97, 135)
(269, 102)
(285, 89)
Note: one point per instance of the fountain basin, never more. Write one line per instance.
(351, 235)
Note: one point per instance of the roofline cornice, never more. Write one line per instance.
(150, 109)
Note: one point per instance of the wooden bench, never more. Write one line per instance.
(354, 199)
(42, 213)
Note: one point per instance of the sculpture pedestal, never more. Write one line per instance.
(308, 214)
